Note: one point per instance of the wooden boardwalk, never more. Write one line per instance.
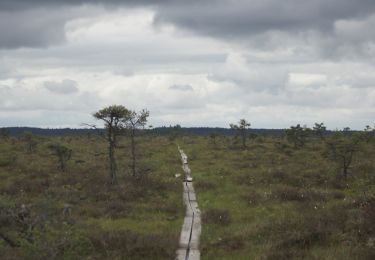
(191, 229)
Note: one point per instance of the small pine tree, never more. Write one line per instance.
(133, 122)
(62, 153)
(113, 117)
(30, 141)
(241, 130)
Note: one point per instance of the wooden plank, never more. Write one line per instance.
(194, 254)
(191, 228)
(185, 232)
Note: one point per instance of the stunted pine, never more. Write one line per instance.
(30, 141)
(133, 122)
(113, 117)
(341, 148)
(241, 130)
(297, 135)
(319, 130)
(62, 153)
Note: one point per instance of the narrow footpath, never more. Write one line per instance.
(191, 229)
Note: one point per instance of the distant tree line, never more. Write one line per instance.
(164, 130)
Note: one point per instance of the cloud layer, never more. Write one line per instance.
(273, 62)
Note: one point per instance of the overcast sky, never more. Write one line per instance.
(195, 63)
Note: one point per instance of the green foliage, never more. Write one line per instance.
(118, 119)
(125, 244)
(297, 135)
(4, 134)
(342, 147)
(174, 132)
(241, 130)
(7, 159)
(113, 117)
(133, 122)
(213, 136)
(319, 130)
(62, 153)
(44, 215)
(30, 140)
(267, 202)
(368, 134)
(216, 216)
(283, 203)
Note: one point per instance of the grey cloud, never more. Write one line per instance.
(66, 86)
(32, 28)
(20, 98)
(229, 20)
(12, 5)
(320, 27)
(38, 24)
(41, 23)
(181, 87)
(244, 15)
(357, 81)
(5, 70)
(254, 82)
(250, 77)
(243, 18)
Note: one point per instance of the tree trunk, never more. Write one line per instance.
(62, 162)
(112, 163)
(345, 167)
(111, 154)
(133, 151)
(243, 135)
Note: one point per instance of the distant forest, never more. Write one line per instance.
(202, 131)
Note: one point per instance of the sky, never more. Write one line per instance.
(194, 63)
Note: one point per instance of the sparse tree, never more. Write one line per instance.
(368, 133)
(297, 135)
(63, 154)
(341, 148)
(241, 130)
(368, 128)
(174, 132)
(113, 117)
(319, 130)
(4, 134)
(30, 140)
(213, 137)
(133, 122)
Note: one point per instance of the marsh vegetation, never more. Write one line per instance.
(307, 194)
(50, 210)
(282, 198)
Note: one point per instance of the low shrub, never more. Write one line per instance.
(7, 159)
(229, 242)
(253, 198)
(294, 236)
(205, 185)
(217, 216)
(288, 193)
(130, 245)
